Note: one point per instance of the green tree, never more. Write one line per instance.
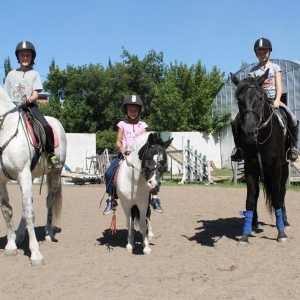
(7, 67)
(183, 101)
(89, 98)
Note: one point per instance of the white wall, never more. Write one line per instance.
(205, 144)
(80, 146)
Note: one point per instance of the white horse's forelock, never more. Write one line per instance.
(4, 96)
(140, 141)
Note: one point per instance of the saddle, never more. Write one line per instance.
(37, 135)
(37, 132)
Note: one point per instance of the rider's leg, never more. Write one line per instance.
(53, 158)
(155, 202)
(293, 126)
(111, 203)
(236, 154)
(293, 151)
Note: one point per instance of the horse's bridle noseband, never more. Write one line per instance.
(145, 164)
(250, 110)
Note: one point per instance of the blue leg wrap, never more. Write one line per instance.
(279, 221)
(248, 222)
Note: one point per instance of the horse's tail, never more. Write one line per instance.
(135, 213)
(268, 193)
(57, 204)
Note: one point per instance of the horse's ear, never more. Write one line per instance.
(234, 79)
(142, 150)
(152, 138)
(168, 143)
(263, 77)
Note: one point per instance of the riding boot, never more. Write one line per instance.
(111, 205)
(155, 203)
(293, 151)
(236, 154)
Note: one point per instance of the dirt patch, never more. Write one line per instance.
(194, 252)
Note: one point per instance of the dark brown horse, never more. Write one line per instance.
(263, 144)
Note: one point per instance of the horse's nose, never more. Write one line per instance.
(250, 133)
(153, 183)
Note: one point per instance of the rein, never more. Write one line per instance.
(261, 125)
(143, 169)
(130, 164)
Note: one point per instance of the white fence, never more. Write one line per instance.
(194, 166)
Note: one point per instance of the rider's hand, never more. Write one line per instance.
(123, 150)
(27, 102)
(276, 103)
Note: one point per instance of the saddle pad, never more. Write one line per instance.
(32, 135)
(115, 180)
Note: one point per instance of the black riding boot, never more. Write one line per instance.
(236, 153)
(293, 151)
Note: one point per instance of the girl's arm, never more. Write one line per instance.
(34, 96)
(278, 82)
(119, 141)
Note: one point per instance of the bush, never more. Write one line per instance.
(106, 139)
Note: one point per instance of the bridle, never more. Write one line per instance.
(145, 163)
(261, 125)
(259, 113)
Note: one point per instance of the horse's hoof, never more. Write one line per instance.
(254, 225)
(243, 240)
(281, 236)
(148, 251)
(286, 225)
(11, 252)
(150, 237)
(129, 248)
(49, 238)
(37, 262)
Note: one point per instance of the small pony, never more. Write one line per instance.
(138, 175)
(263, 146)
(17, 154)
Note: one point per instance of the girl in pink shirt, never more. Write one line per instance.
(128, 131)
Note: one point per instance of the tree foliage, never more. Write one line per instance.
(7, 67)
(176, 97)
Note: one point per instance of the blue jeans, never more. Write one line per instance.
(110, 172)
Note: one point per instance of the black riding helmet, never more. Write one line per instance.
(133, 100)
(262, 43)
(25, 45)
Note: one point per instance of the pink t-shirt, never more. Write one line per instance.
(131, 131)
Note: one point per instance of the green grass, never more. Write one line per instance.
(222, 172)
(295, 186)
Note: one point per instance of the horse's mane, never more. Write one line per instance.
(4, 97)
(245, 84)
(140, 142)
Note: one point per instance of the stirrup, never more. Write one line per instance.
(292, 154)
(236, 154)
(54, 161)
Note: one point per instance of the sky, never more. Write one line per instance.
(217, 33)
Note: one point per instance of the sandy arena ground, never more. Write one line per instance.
(194, 252)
